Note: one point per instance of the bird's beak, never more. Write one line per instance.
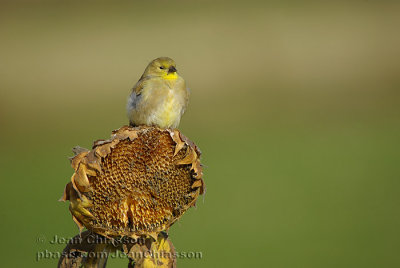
(171, 69)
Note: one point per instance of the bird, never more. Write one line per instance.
(159, 98)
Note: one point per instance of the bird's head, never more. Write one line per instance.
(164, 67)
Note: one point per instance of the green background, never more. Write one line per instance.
(294, 104)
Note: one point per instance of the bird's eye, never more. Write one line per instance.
(162, 67)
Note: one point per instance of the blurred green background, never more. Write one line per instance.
(295, 105)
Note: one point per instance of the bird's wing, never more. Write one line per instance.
(136, 92)
(137, 89)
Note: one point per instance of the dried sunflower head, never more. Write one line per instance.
(139, 182)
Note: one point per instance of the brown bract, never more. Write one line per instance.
(139, 182)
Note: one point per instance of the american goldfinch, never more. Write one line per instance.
(160, 96)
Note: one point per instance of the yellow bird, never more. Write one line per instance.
(160, 96)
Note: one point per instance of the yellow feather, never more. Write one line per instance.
(170, 76)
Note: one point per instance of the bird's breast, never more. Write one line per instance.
(170, 110)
